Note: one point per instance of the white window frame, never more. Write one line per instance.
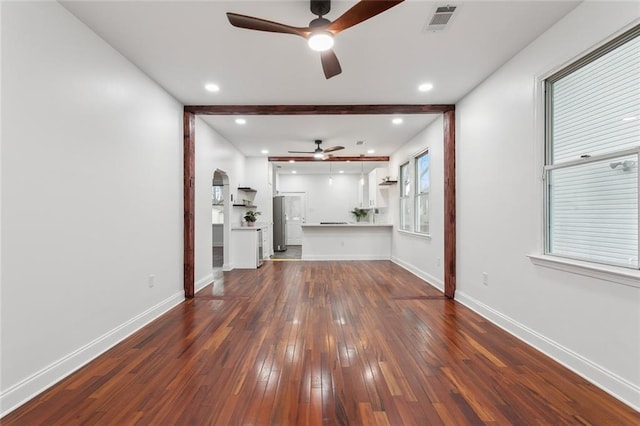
(615, 274)
(418, 195)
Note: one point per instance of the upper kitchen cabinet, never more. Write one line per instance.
(377, 195)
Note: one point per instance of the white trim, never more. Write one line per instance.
(624, 276)
(23, 391)
(430, 279)
(625, 391)
(414, 234)
(203, 282)
(344, 257)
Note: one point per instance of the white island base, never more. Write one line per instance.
(357, 241)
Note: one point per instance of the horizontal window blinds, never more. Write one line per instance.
(593, 135)
(594, 211)
(596, 109)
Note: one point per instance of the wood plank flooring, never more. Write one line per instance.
(337, 343)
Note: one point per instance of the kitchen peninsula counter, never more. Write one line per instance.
(357, 225)
(346, 241)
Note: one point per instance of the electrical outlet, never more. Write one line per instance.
(152, 281)
(485, 278)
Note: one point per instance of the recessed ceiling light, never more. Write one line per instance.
(294, 172)
(292, 161)
(341, 171)
(397, 120)
(265, 151)
(241, 121)
(425, 87)
(211, 87)
(371, 151)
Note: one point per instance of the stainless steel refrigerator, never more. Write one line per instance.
(279, 224)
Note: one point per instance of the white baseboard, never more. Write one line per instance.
(611, 383)
(203, 282)
(21, 392)
(435, 282)
(329, 257)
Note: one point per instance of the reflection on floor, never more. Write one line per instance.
(217, 257)
(292, 253)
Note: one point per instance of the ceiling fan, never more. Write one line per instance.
(319, 152)
(320, 32)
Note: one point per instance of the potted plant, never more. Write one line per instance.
(359, 213)
(251, 216)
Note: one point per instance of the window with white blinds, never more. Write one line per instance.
(593, 140)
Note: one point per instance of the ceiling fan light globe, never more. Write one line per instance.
(318, 155)
(320, 41)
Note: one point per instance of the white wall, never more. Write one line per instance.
(422, 255)
(590, 325)
(258, 177)
(91, 198)
(325, 203)
(213, 152)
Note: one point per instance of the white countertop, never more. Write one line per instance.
(248, 228)
(350, 225)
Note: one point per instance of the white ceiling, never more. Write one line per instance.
(183, 45)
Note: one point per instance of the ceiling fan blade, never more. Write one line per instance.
(333, 148)
(258, 24)
(301, 152)
(330, 64)
(362, 11)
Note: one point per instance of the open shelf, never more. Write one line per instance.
(388, 182)
(246, 189)
(246, 206)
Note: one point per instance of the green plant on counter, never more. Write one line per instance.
(359, 213)
(251, 216)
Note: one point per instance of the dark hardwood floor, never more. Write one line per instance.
(294, 343)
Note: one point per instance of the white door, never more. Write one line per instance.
(294, 207)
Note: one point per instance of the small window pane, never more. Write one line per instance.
(405, 179)
(405, 214)
(422, 203)
(596, 108)
(422, 171)
(594, 214)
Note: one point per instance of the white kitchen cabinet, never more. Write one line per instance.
(266, 242)
(377, 197)
(246, 247)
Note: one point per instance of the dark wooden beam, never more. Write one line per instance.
(450, 204)
(449, 165)
(343, 159)
(315, 109)
(189, 159)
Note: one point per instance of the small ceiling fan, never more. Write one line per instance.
(320, 32)
(319, 152)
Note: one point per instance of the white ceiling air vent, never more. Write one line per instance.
(441, 18)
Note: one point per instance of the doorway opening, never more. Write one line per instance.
(220, 209)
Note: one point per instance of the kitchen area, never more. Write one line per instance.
(310, 213)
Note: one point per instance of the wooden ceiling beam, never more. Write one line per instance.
(320, 160)
(316, 109)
